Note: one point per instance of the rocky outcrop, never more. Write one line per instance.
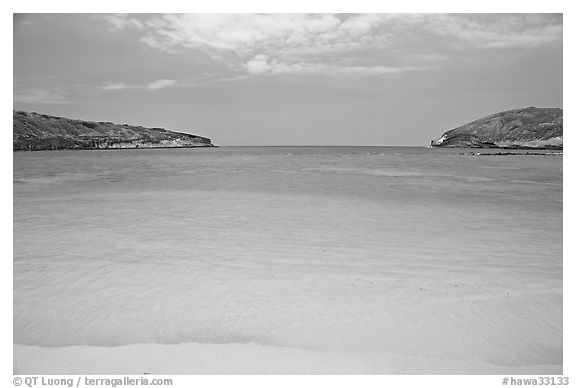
(33, 131)
(528, 128)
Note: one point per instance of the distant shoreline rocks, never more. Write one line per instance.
(511, 153)
(519, 129)
(38, 132)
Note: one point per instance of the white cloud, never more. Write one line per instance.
(532, 38)
(245, 34)
(161, 83)
(258, 65)
(377, 44)
(116, 86)
(338, 71)
(40, 96)
(261, 65)
(154, 85)
(121, 21)
(498, 31)
(276, 43)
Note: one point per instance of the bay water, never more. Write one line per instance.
(385, 251)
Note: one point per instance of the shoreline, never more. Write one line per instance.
(512, 153)
(242, 359)
(116, 148)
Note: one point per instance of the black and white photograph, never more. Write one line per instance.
(288, 194)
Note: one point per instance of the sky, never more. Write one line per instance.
(288, 79)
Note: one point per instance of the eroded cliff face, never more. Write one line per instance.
(519, 128)
(34, 131)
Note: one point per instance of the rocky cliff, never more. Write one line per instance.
(527, 128)
(34, 131)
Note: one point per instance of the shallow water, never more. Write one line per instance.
(372, 250)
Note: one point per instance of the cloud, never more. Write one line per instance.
(154, 85)
(245, 34)
(161, 83)
(277, 43)
(118, 22)
(40, 96)
(367, 45)
(261, 65)
(116, 86)
(258, 65)
(499, 31)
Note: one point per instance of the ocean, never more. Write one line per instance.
(287, 260)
